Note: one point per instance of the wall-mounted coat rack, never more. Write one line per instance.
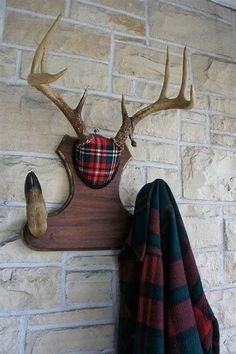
(93, 216)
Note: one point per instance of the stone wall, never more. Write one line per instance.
(66, 302)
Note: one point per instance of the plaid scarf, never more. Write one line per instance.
(97, 161)
(163, 309)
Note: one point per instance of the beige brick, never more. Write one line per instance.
(12, 249)
(155, 152)
(169, 176)
(229, 210)
(28, 288)
(230, 267)
(33, 122)
(121, 85)
(207, 7)
(89, 287)
(194, 133)
(146, 63)
(49, 7)
(225, 140)
(199, 211)
(16, 251)
(223, 303)
(132, 180)
(160, 125)
(80, 73)
(74, 317)
(201, 101)
(214, 75)
(208, 174)
(230, 234)
(133, 6)
(189, 28)
(11, 221)
(198, 117)
(152, 91)
(15, 168)
(9, 334)
(93, 262)
(70, 340)
(68, 38)
(221, 104)
(105, 113)
(7, 62)
(107, 18)
(210, 266)
(228, 341)
(223, 123)
(204, 232)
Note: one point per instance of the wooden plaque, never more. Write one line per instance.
(90, 219)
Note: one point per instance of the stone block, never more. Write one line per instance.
(9, 334)
(223, 303)
(133, 6)
(228, 341)
(79, 74)
(89, 287)
(200, 211)
(230, 234)
(210, 266)
(146, 63)
(190, 28)
(71, 340)
(224, 140)
(154, 152)
(15, 168)
(198, 117)
(203, 232)
(159, 125)
(30, 109)
(72, 317)
(120, 85)
(150, 91)
(48, 7)
(222, 104)
(29, 288)
(132, 180)
(7, 62)
(92, 262)
(193, 133)
(70, 38)
(214, 75)
(208, 7)
(169, 176)
(230, 266)
(107, 18)
(208, 174)
(223, 123)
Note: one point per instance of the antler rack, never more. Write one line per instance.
(161, 104)
(40, 79)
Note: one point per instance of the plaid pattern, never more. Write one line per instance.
(163, 309)
(96, 162)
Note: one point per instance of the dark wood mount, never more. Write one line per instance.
(90, 219)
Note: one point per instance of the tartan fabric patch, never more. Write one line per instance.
(96, 162)
(163, 308)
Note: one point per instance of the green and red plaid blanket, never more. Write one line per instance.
(163, 309)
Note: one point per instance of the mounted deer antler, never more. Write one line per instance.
(161, 104)
(39, 78)
(98, 162)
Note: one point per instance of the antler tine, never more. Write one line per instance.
(40, 79)
(161, 104)
(166, 77)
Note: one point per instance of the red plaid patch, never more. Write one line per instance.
(96, 162)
